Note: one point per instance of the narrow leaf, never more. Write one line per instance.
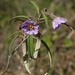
(10, 47)
(30, 46)
(27, 66)
(38, 44)
(36, 6)
(25, 57)
(18, 17)
(50, 56)
(15, 33)
(24, 48)
(45, 18)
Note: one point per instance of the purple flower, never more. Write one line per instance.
(58, 21)
(30, 27)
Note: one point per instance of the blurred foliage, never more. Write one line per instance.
(62, 48)
(67, 43)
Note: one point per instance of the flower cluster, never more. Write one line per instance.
(31, 27)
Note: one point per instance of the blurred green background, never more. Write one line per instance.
(63, 49)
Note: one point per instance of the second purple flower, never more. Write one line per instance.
(58, 21)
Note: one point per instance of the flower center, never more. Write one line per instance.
(30, 26)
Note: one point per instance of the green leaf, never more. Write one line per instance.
(36, 6)
(10, 47)
(30, 46)
(50, 56)
(18, 17)
(45, 18)
(15, 33)
(68, 42)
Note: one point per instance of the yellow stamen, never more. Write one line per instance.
(30, 26)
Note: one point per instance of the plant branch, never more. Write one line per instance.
(9, 56)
